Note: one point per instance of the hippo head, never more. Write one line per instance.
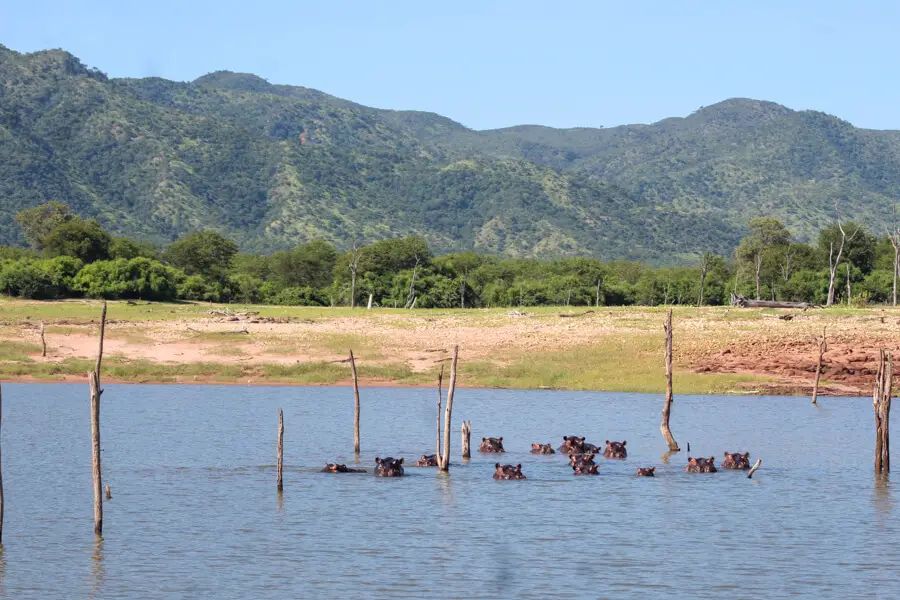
(701, 465)
(542, 449)
(615, 449)
(590, 448)
(572, 445)
(388, 467)
(581, 459)
(646, 472)
(494, 445)
(736, 460)
(585, 468)
(334, 468)
(427, 460)
(508, 472)
(709, 465)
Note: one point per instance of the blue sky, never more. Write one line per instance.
(493, 64)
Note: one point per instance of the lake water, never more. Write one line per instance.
(195, 513)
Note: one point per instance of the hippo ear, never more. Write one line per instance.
(497, 466)
(500, 439)
(712, 459)
(565, 438)
(400, 462)
(518, 467)
(746, 455)
(692, 460)
(377, 460)
(582, 438)
(483, 439)
(652, 469)
(607, 442)
(624, 442)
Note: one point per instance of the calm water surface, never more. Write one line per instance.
(195, 514)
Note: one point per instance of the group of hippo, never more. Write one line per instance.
(581, 459)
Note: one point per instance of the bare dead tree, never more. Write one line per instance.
(466, 439)
(757, 264)
(463, 282)
(448, 412)
(881, 402)
(705, 264)
(666, 293)
(411, 296)
(43, 342)
(823, 348)
(834, 261)
(894, 237)
(354, 269)
(1, 474)
(597, 302)
(787, 267)
(848, 282)
(667, 406)
(279, 453)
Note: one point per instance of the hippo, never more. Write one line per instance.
(572, 445)
(339, 468)
(427, 460)
(701, 465)
(388, 467)
(542, 449)
(492, 445)
(646, 471)
(581, 459)
(736, 460)
(590, 448)
(508, 472)
(615, 449)
(585, 468)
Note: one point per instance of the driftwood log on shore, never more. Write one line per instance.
(742, 302)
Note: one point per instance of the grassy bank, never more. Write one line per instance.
(613, 349)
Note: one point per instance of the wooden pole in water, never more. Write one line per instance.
(448, 412)
(94, 380)
(108, 493)
(1, 473)
(467, 439)
(823, 348)
(279, 453)
(43, 342)
(438, 444)
(755, 467)
(881, 402)
(356, 398)
(667, 406)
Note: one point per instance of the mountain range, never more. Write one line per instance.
(275, 165)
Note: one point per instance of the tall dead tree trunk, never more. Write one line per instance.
(896, 270)
(356, 400)
(881, 402)
(667, 406)
(823, 348)
(411, 295)
(448, 412)
(354, 268)
(438, 444)
(597, 301)
(848, 282)
(279, 453)
(94, 381)
(835, 261)
(757, 263)
(705, 263)
(43, 342)
(463, 282)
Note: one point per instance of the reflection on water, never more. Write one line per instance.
(194, 514)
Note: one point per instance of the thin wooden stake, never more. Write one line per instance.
(448, 412)
(279, 453)
(108, 493)
(823, 348)
(667, 406)
(440, 383)
(94, 380)
(754, 468)
(356, 398)
(467, 439)
(43, 342)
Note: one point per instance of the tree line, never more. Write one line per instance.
(74, 257)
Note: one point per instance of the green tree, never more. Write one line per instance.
(38, 222)
(75, 237)
(123, 247)
(757, 248)
(205, 253)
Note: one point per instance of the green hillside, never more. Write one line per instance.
(274, 165)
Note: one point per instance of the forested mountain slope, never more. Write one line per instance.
(274, 165)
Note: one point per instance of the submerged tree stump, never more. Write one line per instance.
(467, 439)
(881, 402)
(438, 442)
(94, 381)
(667, 405)
(823, 348)
(43, 342)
